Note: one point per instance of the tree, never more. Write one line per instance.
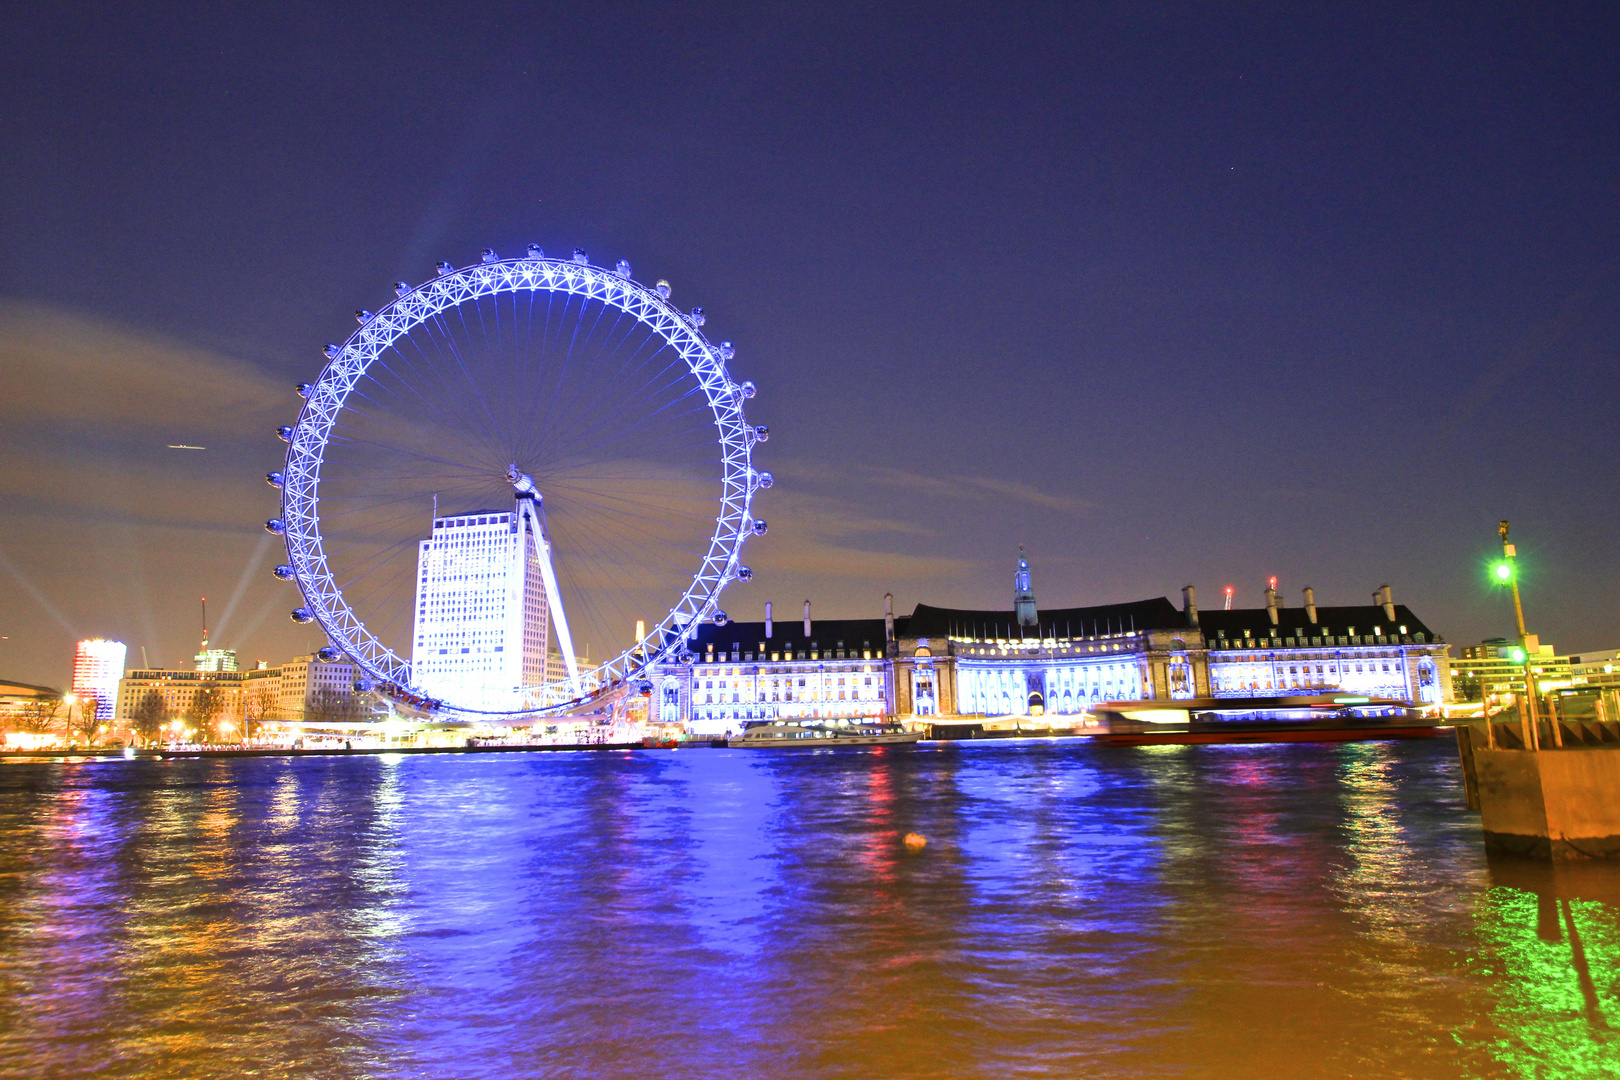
(335, 707)
(87, 723)
(208, 708)
(39, 716)
(151, 713)
(257, 705)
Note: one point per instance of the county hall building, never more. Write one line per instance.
(940, 664)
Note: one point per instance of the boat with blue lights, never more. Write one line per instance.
(781, 734)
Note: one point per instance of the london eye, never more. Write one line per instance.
(518, 485)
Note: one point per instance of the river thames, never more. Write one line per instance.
(1289, 911)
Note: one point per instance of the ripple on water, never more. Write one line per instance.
(1076, 910)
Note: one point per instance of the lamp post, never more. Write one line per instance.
(1506, 571)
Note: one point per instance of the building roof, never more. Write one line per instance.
(933, 622)
(474, 513)
(1158, 613)
(26, 690)
(785, 633)
(1339, 620)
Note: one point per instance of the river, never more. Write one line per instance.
(1077, 911)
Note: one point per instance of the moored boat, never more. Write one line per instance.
(781, 734)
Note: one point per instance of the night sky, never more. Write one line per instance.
(1168, 295)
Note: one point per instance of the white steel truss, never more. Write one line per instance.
(328, 395)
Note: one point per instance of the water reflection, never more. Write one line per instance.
(1078, 910)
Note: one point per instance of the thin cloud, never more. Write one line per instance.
(1529, 349)
(970, 487)
(62, 367)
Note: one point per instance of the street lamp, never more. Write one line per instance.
(1505, 573)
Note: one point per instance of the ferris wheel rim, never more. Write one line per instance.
(348, 364)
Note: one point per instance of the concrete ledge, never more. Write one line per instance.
(1553, 804)
(1547, 849)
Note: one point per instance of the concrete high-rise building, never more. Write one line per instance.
(97, 667)
(482, 626)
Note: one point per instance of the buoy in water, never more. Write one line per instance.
(916, 841)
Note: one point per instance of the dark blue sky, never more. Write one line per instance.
(1167, 294)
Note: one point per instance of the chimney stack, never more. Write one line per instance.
(767, 619)
(1189, 604)
(1386, 597)
(1310, 604)
(888, 622)
(807, 618)
(1271, 605)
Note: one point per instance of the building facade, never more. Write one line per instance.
(746, 672)
(215, 659)
(287, 693)
(179, 691)
(482, 624)
(947, 662)
(98, 665)
(307, 683)
(1495, 668)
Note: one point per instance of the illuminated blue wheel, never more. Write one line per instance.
(527, 455)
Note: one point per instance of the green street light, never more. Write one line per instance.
(1521, 655)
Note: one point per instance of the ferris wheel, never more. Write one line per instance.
(518, 485)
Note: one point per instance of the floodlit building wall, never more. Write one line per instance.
(98, 665)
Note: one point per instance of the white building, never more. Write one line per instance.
(949, 665)
(482, 626)
(97, 667)
(304, 681)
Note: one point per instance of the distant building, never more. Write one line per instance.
(215, 659)
(1600, 669)
(947, 662)
(482, 623)
(18, 699)
(304, 681)
(97, 667)
(741, 672)
(179, 690)
(982, 663)
(1495, 668)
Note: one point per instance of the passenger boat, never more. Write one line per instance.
(780, 734)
